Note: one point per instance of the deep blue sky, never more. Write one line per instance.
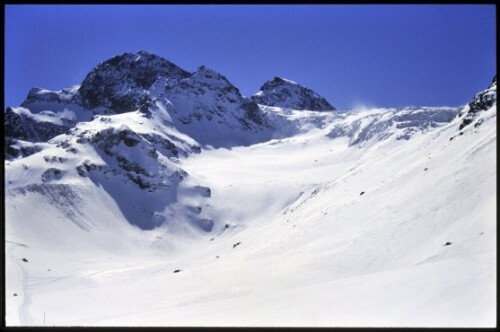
(373, 55)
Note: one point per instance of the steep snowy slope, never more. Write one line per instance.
(373, 218)
(126, 155)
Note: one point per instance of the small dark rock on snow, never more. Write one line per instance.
(447, 243)
(236, 244)
(177, 271)
(361, 193)
(25, 260)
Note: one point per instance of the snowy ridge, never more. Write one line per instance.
(39, 97)
(360, 127)
(385, 123)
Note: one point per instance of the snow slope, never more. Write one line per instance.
(302, 247)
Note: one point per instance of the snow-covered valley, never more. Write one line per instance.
(376, 217)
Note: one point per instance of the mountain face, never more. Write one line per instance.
(284, 93)
(207, 99)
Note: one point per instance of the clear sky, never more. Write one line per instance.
(372, 55)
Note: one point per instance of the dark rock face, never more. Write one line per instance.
(252, 112)
(482, 101)
(146, 171)
(121, 82)
(22, 127)
(12, 150)
(51, 174)
(287, 94)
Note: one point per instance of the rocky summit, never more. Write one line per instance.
(284, 93)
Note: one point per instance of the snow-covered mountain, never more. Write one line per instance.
(147, 83)
(284, 93)
(150, 195)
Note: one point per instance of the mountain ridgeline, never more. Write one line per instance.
(145, 82)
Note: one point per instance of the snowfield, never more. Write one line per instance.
(309, 229)
(148, 195)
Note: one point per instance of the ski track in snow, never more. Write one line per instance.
(24, 314)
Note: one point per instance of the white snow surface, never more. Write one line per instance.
(339, 221)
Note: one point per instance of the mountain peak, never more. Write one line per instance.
(281, 80)
(126, 76)
(282, 92)
(207, 72)
(206, 76)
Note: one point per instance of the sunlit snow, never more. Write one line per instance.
(312, 250)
